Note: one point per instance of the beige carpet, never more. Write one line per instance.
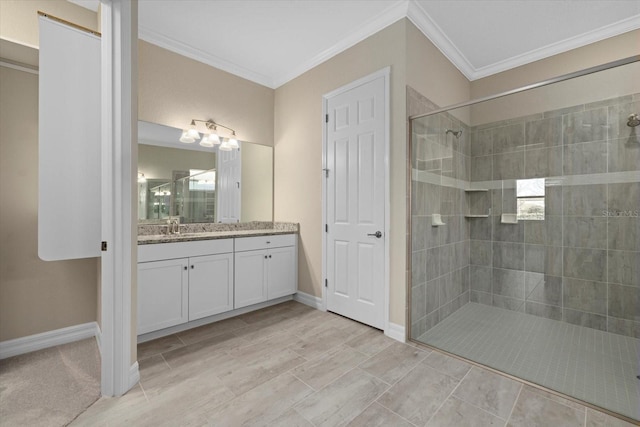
(49, 387)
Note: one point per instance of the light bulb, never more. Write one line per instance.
(193, 132)
(225, 146)
(233, 143)
(214, 137)
(186, 138)
(206, 141)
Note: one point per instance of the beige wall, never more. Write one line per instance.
(608, 50)
(298, 153)
(35, 296)
(173, 89)
(430, 72)
(604, 85)
(298, 141)
(19, 18)
(257, 183)
(160, 162)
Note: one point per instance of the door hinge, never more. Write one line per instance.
(326, 283)
(326, 228)
(326, 118)
(238, 184)
(103, 247)
(326, 172)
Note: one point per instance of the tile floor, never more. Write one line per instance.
(595, 366)
(290, 365)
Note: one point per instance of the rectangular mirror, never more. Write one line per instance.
(201, 184)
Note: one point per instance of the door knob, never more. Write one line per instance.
(377, 234)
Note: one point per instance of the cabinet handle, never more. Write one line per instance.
(265, 257)
(269, 256)
(185, 267)
(192, 267)
(268, 242)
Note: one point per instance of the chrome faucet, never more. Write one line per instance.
(173, 226)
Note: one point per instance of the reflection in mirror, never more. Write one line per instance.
(189, 181)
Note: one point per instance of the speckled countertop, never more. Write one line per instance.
(150, 234)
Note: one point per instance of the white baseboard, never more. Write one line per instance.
(53, 338)
(310, 300)
(134, 375)
(396, 332)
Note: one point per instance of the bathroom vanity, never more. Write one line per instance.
(218, 271)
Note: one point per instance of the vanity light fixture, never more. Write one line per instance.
(211, 136)
(141, 177)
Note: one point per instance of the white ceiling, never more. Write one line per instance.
(273, 41)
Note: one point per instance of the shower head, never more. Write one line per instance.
(455, 133)
(633, 120)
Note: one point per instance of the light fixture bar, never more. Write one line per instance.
(211, 125)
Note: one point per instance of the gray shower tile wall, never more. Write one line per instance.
(581, 264)
(439, 255)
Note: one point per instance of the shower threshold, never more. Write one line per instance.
(593, 366)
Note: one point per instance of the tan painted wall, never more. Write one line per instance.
(430, 72)
(174, 89)
(35, 296)
(298, 153)
(604, 51)
(257, 183)
(19, 18)
(159, 162)
(414, 60)
(604, 85)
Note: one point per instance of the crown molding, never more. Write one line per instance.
(412, 10)
(615, 29)
(385, 18)
(433, 32)
(191, 52)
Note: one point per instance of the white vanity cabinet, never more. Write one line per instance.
(210, 285)
(163, 294)
(183, 281)
(265, 268)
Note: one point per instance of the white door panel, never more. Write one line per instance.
(355, 208)
(229, 186)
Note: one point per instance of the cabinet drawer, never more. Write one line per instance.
(161, 251)
(265, 242)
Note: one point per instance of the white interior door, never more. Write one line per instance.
(355, 202)
(229, 186)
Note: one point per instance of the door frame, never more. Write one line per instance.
(118, 273)
(386, 74)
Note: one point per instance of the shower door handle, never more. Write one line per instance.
(377, 234)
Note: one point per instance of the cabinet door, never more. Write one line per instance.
(162, 294)
(250, 283)
(282, 272)
(210, 285)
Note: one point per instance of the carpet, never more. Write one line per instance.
(50, 387)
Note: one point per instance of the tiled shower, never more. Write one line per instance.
(540, 212)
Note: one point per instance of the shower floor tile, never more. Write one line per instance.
(595, 366)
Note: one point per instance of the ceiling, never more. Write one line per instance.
(273, 41)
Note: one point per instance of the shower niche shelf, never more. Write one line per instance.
(478, 202)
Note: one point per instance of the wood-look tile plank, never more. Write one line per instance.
(418, 395)
(342, 400)
(394, 362)
(329, 366)
(262, 404)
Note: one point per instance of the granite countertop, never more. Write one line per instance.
(151, 234)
